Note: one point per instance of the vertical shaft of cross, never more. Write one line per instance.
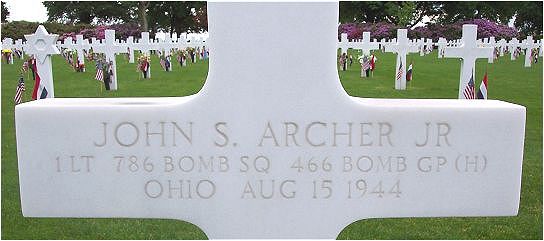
(309, 53)
(80, 50)
(130, 49)
(528, 46)
(513, 47)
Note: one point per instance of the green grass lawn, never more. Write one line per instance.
(433, 78)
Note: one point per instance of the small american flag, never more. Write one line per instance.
(99, 74)
(468, 92)
(163, 64)
(25, 67)
(19, 91)
(400, 72)
(366, 64)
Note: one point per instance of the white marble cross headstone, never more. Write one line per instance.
(421, 44)
(528, 45)
(145, 46)
(269, 151)
(182, 42)
(513, 45)
(130, 49)
(167, 44)
(68, 43)
(345, 44)
(19, 45)
(492, 44)
(429, 45)
(441, 45)
(365, 45)
(468, 51)
(42, 45)
(382, 44)
(7, 44)
(110, 48)
(402, 47)
(80, 46)
(502, 45)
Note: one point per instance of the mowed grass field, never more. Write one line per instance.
(433, 78)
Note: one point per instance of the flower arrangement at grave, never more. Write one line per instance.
(181, 57)
(7, 55)
(143, 65)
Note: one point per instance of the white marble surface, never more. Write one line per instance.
(251, 124)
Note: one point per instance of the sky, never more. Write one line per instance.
(28, 10)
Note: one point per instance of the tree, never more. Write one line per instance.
(177, 16)
(451, 12)
(87, 12)
(529, 18)
(406, 14)
(5, 12)
(142, 14)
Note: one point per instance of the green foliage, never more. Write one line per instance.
(86, 12)
(5, 12)
(404, 13)
(153, 16)
(451, 12)
(508, 81)
(17, 29)
(175, 16)
(527, 13)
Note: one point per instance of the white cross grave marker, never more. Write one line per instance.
(42, 45)
(492, 44)
(68, 43)
(513, 45)
(145, 46)
(81, 47)
(441, 45)
(130, 49)
(528, 45)
(502, 46)
(402, 47)
(110, 48)
(268, 151)
(421, 46)
(382, 44)
(19, 45)
(429, 45)
(365, 45)
(468, 51)
(345, 44)
(7, 44)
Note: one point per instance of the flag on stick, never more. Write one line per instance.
(400, 71)
(482, 92)
(409, 72)
(19, 91)
(468, 92)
